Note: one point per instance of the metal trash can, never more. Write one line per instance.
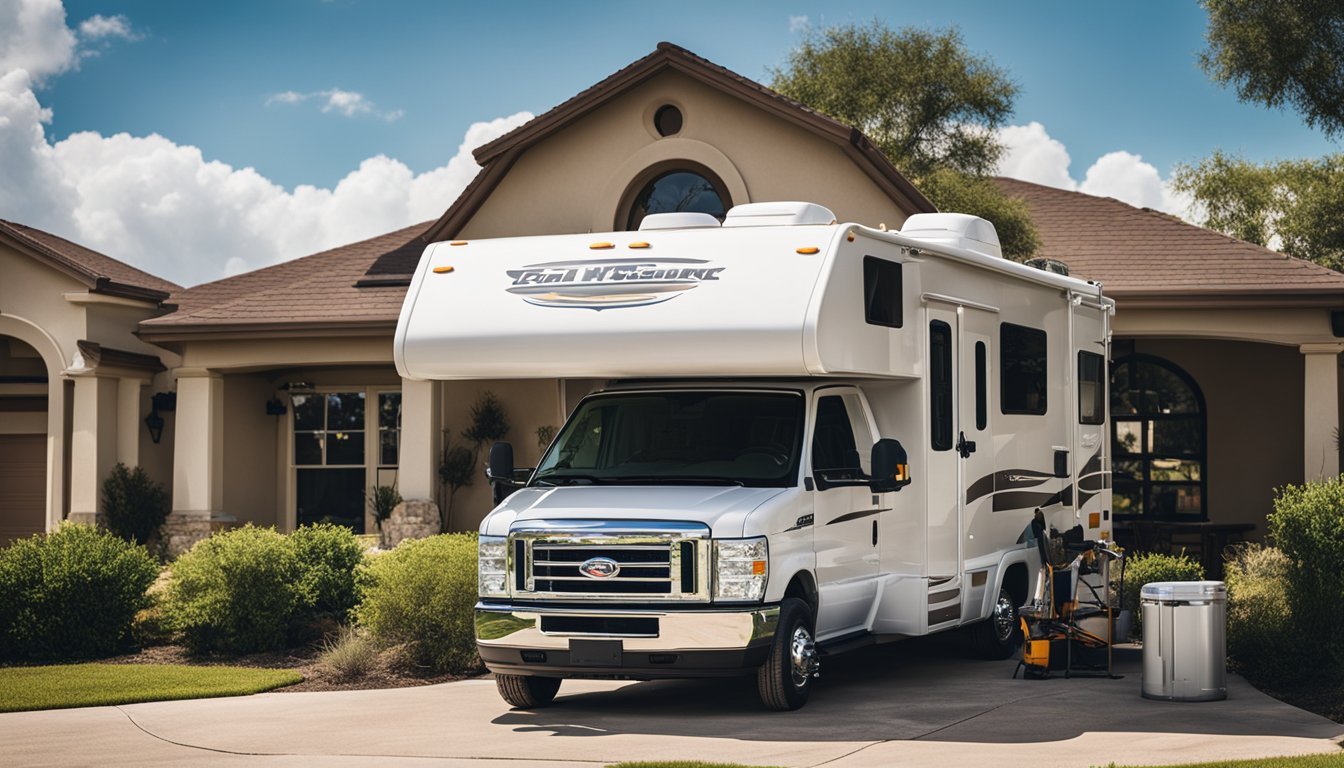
(1184, 640)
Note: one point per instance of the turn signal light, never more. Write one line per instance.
(757, 567)
(902, 473)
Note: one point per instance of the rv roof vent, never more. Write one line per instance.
(684, 220)
(778, 215)
(1049, 265)
(960, 229)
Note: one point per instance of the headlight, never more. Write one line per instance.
(492, 569)
(740, 569)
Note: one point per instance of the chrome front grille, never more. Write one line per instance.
(660, 561)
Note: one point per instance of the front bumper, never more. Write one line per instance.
(637, 643)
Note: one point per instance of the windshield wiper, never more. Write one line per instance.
(567, 479)
(675, 480)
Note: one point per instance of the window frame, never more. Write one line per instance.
(625, 211)
(1145, 455)
(946, 385)
(1101, 399)
(1006, 366)
(883, 267)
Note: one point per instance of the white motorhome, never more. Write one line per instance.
(814, 435)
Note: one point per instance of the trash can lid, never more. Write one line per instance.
(1178, 591)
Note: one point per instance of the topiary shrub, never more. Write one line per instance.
(1307, 524)
(1260, 630)
(1147, 568)
(328, 556)
(134, 505)
(71, 593)
(422, 595)
(238, 591)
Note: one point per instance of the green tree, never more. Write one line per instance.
(1290, 205)
(1280, 53)
(927, 102)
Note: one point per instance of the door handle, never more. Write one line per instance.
(965, 447)
(874, 533)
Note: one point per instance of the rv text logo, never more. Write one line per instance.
(609, 283)
(600, 568)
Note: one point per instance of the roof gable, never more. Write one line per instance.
(98, 272)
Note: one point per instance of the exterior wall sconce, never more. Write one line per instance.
(162, 401)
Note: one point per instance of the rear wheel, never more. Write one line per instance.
(998, 636)
(785, 679)
(527, 692)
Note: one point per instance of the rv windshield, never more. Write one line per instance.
(684, 437)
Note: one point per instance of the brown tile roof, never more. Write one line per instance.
(312, 293)
(497, 156)
(102, 274)
(1145, 256)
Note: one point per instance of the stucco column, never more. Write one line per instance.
(128, 420)
(198, 458)
(1321, 412)
(417, 470)
(93, 444)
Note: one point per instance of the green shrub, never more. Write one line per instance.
(1147, 568)
(1308, 525)
(238, 591)
(1260, 635)
(350, 654)
(71, 593)
(422, 595)
(133, 504)
(328, 556)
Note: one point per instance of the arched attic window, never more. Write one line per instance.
(1160, 433)
(676, 188)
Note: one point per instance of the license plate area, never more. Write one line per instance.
(595, 653)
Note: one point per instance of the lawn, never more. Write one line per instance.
(92, 685)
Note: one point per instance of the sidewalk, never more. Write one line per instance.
(873, 708)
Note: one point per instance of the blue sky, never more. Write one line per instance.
(307, 92)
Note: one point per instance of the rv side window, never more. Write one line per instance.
(882, 292)
(1091, 388)
(981, 387)
(940, 385)
(1021, 369)
(835, 438)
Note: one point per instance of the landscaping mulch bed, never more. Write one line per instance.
(316, 677)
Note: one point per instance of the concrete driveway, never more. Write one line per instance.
(908, 704)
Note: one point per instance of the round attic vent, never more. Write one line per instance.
(667, 120)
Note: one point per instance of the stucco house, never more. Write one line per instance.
(288, 407)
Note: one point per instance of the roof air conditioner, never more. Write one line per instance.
(677, 221)
(784, 214)
(962, 230)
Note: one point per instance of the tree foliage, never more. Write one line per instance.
(930, 105)
(1290, 205)
(1281, 53)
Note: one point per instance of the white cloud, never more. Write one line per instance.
(99, 27)
(34, 38)
(347, 103)
(797, 24)
(1032, 154)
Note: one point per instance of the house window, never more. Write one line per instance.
(882, 292)
(329, 458)
(1159, 433)
(940, 385)
(679, 191)
(389, 429)
(1091, 388)
(1022, 369)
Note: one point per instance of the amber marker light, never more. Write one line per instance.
(601, 246)
(640, 244)
(458, 242)
(442, 270)
(757, 567)
(811, 249)
(850, 237)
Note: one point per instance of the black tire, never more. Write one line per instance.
(785, 679)
(999, 636)
(526, 691)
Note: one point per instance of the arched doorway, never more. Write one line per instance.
(1160, 441)
(24, 388)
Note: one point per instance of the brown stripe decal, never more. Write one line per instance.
(856, 515)
(944, 614)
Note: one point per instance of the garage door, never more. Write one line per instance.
(23, 480)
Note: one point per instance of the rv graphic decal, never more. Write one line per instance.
(1007, 486)
(609, 283)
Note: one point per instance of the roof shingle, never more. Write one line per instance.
(102, 273)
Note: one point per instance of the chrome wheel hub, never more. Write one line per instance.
(1005, 618)
(802, 657)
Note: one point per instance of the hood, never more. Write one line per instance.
(723, 509)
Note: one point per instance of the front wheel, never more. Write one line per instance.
(526, 691)
(785, 679)
(998, 636)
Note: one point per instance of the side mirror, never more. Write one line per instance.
(891, 467)
(500, 470)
